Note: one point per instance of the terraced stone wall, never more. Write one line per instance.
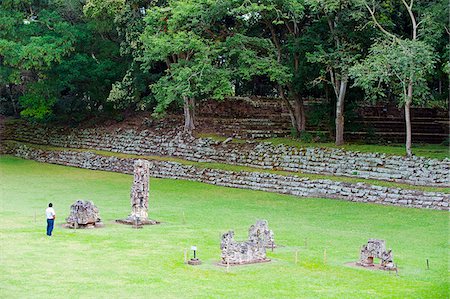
(284, 184)
(164, 142)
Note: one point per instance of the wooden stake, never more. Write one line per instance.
(325, 256)
(428, 265)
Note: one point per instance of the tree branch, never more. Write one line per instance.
(372, 13)
(275, 40)
(413, 18)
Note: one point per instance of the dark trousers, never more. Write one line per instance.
(50, 223)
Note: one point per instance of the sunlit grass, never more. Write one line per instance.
(117, 261)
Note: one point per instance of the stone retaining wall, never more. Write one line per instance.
(163, 142)
(292, 185)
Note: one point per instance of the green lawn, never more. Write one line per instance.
(117, 261)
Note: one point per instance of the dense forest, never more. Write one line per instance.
(71, 60)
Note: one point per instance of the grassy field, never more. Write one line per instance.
(117, 261)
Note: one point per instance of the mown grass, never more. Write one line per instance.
(117, 261)
(237, 168)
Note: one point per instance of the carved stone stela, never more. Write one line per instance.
(376, 249)
(83, 214)
(139, 195)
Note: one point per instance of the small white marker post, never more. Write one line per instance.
(194, 249)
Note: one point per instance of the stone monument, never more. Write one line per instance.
(261, 230)
(139, 196)
(247, 252)
(83, 214)
(376, 249)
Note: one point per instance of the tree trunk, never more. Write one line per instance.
(296, 113)
(408, 119)
(340, 112)
(13, 101)
(299, 114)
(189, 115)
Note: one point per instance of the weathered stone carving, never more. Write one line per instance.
(251, 251)
(376, 249)
(261, 230)
(83, 214)
(139, 195)
(238, 253)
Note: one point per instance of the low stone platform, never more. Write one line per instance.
(132, 222)
(244, 263)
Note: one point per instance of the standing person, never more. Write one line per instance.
(51, 215)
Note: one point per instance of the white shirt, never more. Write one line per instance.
(50, 212)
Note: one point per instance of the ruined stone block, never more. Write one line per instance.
(376, 249)
(83, 214)
(238, 253)
(261, 230)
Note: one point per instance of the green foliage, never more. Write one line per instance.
(37, 106)
(389, 66)
(175, 35)
(60, 51)
(99, 57)
(250, 56)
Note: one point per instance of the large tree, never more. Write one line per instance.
(186, 36)
(283, 23)
(399, 63)
(339, 50)
(54, 60)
